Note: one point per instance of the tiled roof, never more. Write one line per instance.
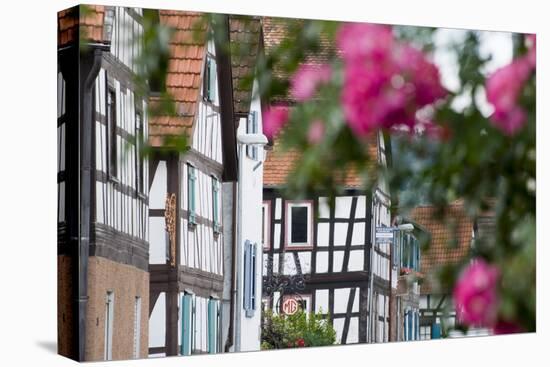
(275, 31)
(88, 19)
(280, 164)
(244, 33)
(183, 79)
(451, 236)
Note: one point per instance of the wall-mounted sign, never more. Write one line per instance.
(384, 234)
(290, 306)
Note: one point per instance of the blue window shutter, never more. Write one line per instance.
(186, 325)
(409, 320)
(246, 278)
(212, 86)
(215, 205)
(191, 178)
(212, 325)
(253, 278)
(436, 331)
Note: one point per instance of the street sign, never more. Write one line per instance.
(384, 234)
(290, 306)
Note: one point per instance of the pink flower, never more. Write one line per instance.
(422, 74)
(475, 294)
(385, 82)
(316, 132)
(359, 41)
(307, 78)
(503, 89)
(300, 342)
(274, 118)
(507, 327)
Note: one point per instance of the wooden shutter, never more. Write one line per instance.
(246, 278)
(212, 81)
(215, 204)
(436, 331)
(409, 326)
(213, 314)
(253, 278)
(186, 324)
(191, 178)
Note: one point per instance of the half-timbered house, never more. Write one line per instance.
(103, 249)
(406, 257)
(185, 199)
(451, 238)
(328, 263)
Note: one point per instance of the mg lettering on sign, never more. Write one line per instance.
(290, 306)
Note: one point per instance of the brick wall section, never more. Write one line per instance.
(64, 309)
(127, 283)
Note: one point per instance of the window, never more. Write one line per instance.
(249, 278)
(139, 154)
(191, 180)
(299, 224)
(109, 315)
(266, 222)
(252, 128)
(213, 324)
(425, 332)
(137, 326)
(112, 135)
(215, 204)
(187, 324)
(209, 80)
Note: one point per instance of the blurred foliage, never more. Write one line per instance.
(298, 330)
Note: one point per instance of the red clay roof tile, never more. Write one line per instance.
(451, 238)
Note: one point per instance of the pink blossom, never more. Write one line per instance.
(507, 327)
(316, 132)
(307, 78)
(503, 89)
(385, 82)
(273, 119)
(475, 294)
(358, 41)
(423, 75)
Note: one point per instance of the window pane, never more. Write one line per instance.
(298, 232)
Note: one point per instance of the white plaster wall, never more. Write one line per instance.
(251, 225)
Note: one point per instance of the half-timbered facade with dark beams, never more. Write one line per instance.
(103, 187)
(451, 237)
(185, 207)
(328, 263)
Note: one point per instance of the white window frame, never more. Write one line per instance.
(137, 326)
(288, 224)
(109, 316)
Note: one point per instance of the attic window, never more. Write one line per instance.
(209, 80)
